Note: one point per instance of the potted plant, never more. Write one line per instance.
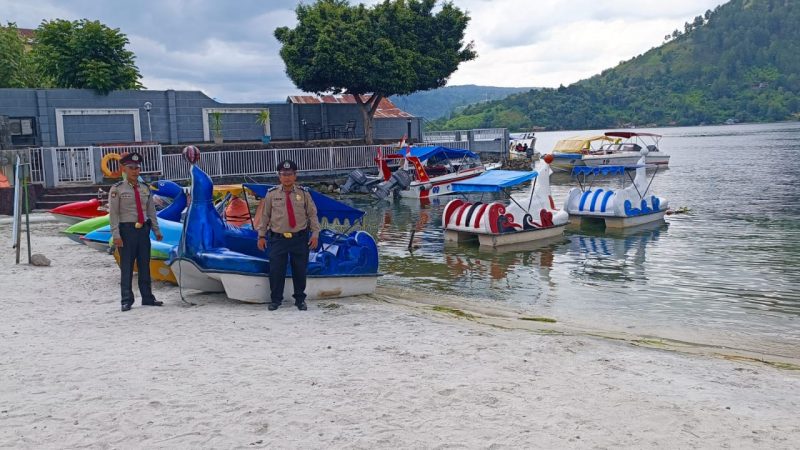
(263, 119)
(216, 126)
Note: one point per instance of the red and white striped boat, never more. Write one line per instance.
(527, 217)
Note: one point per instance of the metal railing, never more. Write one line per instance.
(450, 144)
(151, 154)
(73, 165)
(37, 165)
(32, 156)
(264, 161)
(479, 134)
(236, 162)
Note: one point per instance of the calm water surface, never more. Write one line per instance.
(724, 274)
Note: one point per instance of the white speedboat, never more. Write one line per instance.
(569, 153)
(424, 172)
(523, 218)
(625, 148)
(523, 146)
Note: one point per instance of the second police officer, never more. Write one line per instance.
(289, 227)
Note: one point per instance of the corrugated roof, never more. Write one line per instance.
(26, 33)
(386, 109)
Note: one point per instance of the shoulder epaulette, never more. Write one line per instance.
(118, 183)
(272, 188)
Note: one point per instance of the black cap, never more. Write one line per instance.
(131, 158)
(287, 164)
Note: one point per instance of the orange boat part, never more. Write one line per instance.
(237, 213)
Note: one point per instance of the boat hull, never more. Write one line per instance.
(443, 185)
(624, 160)
(503, 239)
(565, 162)
(613, 222)
(251, 288)
(71, 220)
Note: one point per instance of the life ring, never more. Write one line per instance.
(104, 165)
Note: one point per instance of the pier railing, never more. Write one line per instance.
(316, 160)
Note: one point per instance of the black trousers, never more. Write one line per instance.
(295, 250)
(135, 248)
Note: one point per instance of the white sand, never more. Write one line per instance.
(374, 372)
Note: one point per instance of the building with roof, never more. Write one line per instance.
(78, 117)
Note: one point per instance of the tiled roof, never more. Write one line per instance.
(386, 109)
(26, 33)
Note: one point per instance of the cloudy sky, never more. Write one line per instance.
(228, 51)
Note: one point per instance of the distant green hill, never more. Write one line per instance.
(740, 62)
(441, 102)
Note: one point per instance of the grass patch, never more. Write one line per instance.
(649, 343)
(539, 319)
(455, 312)
(775, 364)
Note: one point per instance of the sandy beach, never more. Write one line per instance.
(382, 371)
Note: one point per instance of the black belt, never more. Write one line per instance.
(133, 224)
(288, 235)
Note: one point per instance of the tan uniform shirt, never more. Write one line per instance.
(122, 206)
(274, 215)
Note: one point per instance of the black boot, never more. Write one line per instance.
(273, 306)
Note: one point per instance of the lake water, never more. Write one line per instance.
(727, 273)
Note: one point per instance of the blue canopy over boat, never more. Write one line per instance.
(327, 208)
(424, 153)
(494, 181)
(606, 170)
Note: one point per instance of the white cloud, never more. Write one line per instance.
(550, 42)
(228, 50)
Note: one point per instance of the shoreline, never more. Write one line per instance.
(512, 319)
(379, 371)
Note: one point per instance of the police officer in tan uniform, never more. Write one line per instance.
(132, 215)
(289, 227)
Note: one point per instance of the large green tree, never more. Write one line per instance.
(85, 54)
(396, 47)
(12, 53)
(17, 66)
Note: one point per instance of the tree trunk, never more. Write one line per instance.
(368, 110)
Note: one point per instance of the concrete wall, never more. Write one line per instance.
(76, 117)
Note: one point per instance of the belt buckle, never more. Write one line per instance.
(138, 225)
(287, 235)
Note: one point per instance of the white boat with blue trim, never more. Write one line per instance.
(213, 256)
(627, 207)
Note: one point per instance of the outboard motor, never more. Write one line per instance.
(399, 180)
(354, 180)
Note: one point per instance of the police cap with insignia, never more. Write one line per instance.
(131, 159)
(287, 165)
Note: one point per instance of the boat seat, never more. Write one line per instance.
(436, 170)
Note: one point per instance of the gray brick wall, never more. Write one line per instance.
(176, 117)
(79, 130)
